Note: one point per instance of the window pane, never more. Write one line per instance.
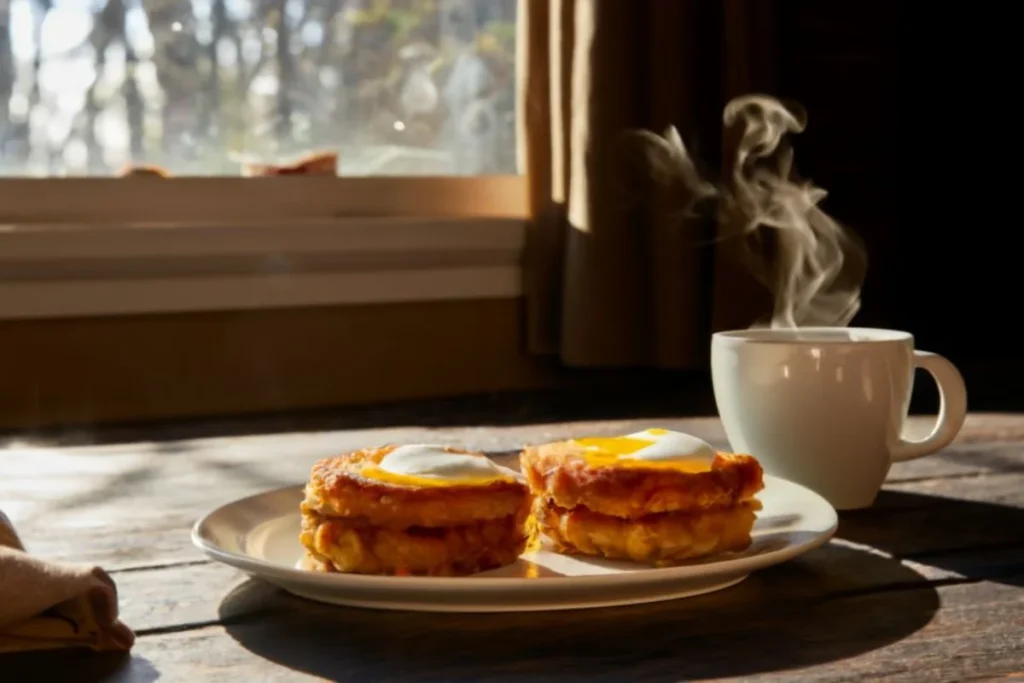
(200, 87)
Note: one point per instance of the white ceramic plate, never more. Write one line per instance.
(259, 535)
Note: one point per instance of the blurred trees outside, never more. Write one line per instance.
(398, 87)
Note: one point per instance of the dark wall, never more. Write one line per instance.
(912, 132)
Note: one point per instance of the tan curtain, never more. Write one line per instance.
(615, 274)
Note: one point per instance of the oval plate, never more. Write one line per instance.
(260, 536)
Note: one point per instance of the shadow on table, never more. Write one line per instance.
(819, 608)
(957, 538)
(81, 666)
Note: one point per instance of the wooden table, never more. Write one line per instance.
(926, 586)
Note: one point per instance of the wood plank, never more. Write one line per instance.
(963, 459)
(927, 517)
(184, 201)
(202, 592)
(981, 434)
(894, 634)
(133, 504)
(973, 450)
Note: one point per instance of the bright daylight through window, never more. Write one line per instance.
(219, 87)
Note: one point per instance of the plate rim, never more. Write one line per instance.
(746, 565)
(644, 594)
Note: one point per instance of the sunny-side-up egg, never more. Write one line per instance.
(651, 447)
(430, 465)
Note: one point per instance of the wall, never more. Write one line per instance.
(910, 133)
(163, 366)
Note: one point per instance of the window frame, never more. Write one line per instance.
(114, 246)
(26, 201)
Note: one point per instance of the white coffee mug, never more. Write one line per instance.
(825, 407)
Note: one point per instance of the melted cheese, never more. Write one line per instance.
(657, 448)
(426, 465)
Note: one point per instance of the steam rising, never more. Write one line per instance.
(812, 265)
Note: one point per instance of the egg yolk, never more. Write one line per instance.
(620, 451)
(375, 473)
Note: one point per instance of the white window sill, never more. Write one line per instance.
(79, 270)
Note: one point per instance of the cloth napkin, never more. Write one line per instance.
(45, 605)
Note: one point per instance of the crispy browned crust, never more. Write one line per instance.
(336, 489)
(659, 540)
(558, 473)
(341, 545)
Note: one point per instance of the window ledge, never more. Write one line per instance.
(76, 269)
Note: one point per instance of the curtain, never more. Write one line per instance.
(617, 271)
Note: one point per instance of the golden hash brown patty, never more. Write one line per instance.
(351, 546)
(336, 488)
(358, 524)
(658, 539)
(559, 473)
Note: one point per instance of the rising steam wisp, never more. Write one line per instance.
(812, 265)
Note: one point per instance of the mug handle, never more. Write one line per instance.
(952, 408)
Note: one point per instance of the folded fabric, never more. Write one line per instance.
(47, 605)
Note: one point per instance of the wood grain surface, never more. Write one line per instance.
(927, 585)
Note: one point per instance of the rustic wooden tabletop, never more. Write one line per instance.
(928, 585)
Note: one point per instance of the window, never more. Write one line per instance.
(203, 87)
(415, 97)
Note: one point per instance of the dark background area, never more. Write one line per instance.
(912, 132)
